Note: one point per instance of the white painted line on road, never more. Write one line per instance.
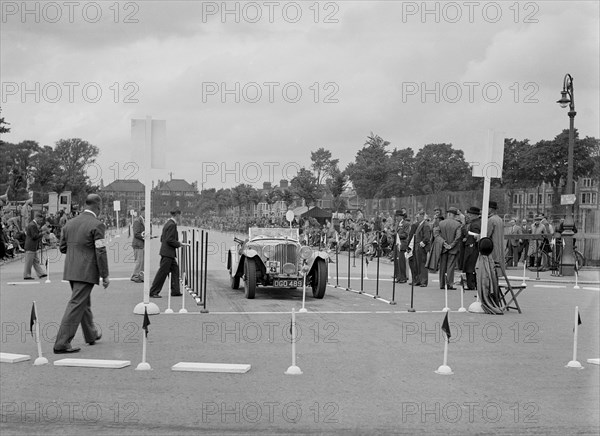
(591, 289)
(22, 283)
(328, 312)
(549, 286)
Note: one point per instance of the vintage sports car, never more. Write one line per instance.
(274, 257)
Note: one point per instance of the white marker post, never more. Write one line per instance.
(462, 297)
(47, 268)
(293, 370)
(169, 310)
(444, 369)
(574, 363)
(576, 276)
(41, 360)
(149, 140)
(524, 271)
(446, 308)
(304, 271)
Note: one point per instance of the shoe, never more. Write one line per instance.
(28, 278)
(401, 281)
(137, 281)
(414, 284)
(155, 296)
(67, 350)
(423, 285)
(98, 337)
(451, 288)
(176, 295)
(43, 275)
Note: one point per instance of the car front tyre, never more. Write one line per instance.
(319, 279)
(250, 278)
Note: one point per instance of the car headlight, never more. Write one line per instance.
(305, 252)
(289, 268)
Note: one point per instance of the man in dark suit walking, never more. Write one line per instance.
(450, 231)
(83, 242)
(402, 232)
(169, 243)
(33, 242)
(420, 238)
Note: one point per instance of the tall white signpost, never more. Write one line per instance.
(117, 208)
(488, 166)
(149, 140)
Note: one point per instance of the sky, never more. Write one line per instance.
(249, 89)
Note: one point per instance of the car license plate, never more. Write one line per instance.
(287, 283)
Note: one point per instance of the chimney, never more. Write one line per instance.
(283, 183)
(266, 186)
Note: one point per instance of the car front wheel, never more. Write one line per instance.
(319, 279)
(250, 278)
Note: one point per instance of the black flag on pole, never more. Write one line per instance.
(32, 319)
(146, 322)
(578, 320)
(446, 327)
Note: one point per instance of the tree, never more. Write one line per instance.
(75, 156)
(336, 185)
(399, 174)
(287, 196)
(244, 195)
(44, 168)
(439, 167)
(224, 199)
(549, 160)
(271, 197)
(305, 186)
(15, 166)
(368, 171)
(322, 164)
(3, 128)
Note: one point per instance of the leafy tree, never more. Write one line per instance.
(305, 186)
(287, 196)
(271, 197)
(45, 167)
(548, 160)
(439, 167)
(3, 128)
(336, 185)
(244, 195)
(15, 167)
(369, 170)
(75, 156)
(322, 164)
(399, 174)
(224, 199)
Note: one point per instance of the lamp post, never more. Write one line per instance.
(568, 99)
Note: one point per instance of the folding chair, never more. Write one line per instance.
(507, 288)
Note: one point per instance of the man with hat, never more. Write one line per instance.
(471, 246)
(420, 241)
(33, 242)
(169, 240)
(402, 232)
(450, 232)
(495, 231)
(137, 244)
(537, 228)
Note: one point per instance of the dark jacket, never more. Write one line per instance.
(138, 228)
(450, 231)
(83, 242)
(422, 233)
(169, 240)
(33, 236)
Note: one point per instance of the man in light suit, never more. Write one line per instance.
(450, 232)
(83, 242)
(33, 242)
(138, 247)
(168, 257)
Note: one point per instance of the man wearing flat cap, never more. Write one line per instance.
(168, 257)
(450, 232)
(495, 231)
(472, 246)
(169, 243)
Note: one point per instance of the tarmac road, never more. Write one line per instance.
(368, 366)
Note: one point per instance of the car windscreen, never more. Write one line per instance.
(273, 233)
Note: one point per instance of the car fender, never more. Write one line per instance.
(250, 254)
(310, 262)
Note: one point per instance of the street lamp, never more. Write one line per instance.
(568, 99)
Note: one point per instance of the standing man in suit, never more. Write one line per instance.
(138, 247)
(420, 234)
(450, 232)
(515, 245)
(83, 242)
(495, 231)
(33, 242)
(169, 242)
(402, 232)
(472, 246)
